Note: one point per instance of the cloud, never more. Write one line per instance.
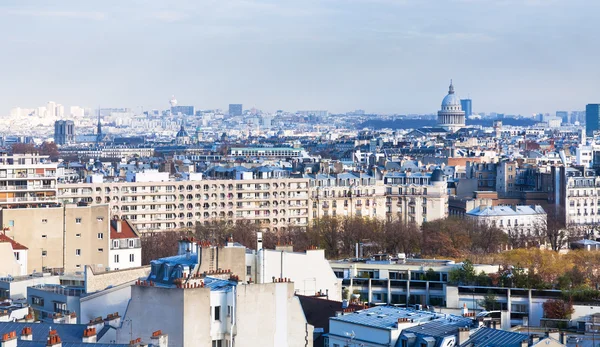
(169, 16)
(59, 14)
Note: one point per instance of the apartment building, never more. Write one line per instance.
(346, 195)
(27, 180)
(525, 219)
(416, 197)
(576, 195)
(71, 236)
(270, 203)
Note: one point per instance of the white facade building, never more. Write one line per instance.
(125, 246)
(524, 218)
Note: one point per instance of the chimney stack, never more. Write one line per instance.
(119, 225)
(113, 320)
(9, 339)
(53, 339)
(159, 339)
(259, 241)
(26, 334)
(463, 335)
(89, 335)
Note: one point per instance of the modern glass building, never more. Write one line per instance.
(592, 119)
(467, 106)
(235, 109)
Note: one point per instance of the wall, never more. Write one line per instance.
(41, 229)
(269, 315)
(8, 263)
(124, 258)
(18, 288)
(105, 302)
(94, 221)
(309, 271)
(95, 282)
(229, 258)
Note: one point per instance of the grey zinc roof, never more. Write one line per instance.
(440, 327)
(69, 344)
(486, 337)
(384, 317)
(67, 332)
(506, 211)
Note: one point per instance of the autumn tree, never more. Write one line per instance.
(558, 309)
(50, 149)
(23, 148)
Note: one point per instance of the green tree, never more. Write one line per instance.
(489, 301)
(464, 275)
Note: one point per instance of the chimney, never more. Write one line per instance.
(89, 335)
(119, 225)
(9, 339)
(53, 339)
(465, 310)
(525, 343)
(26, 334)
(259, 241)
(463, 335)
(159, 339)
(113, 320)
(535, 338)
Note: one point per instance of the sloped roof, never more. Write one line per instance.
(15, 245)
(127, 231)
(486, 337)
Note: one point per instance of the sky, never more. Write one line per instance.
(383, 56)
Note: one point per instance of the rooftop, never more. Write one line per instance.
(385, 317)
(506, 211)
(15, 245)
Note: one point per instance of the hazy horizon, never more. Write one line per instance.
(383, 56)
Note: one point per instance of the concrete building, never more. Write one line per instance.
(416, 197)
(347, 195)
(27, 180)
(525, 219)
(84, 297)
(125, 246)
(215, 307)
(13, 257)
(235, 109)
(270, 203)
(60, 237)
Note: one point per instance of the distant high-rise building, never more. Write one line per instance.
(235, 109)
(64, 132)
(184, 110)
(59, 111)
(563, 115)
(467, 106)
(592, 118)
(77, 112)
(451, 117)
(51, 109)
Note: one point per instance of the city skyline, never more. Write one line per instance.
(382, 56)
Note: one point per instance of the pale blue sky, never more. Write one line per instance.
(389, 56)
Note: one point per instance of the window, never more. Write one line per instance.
(116, 258)
(78, 220)
(115, 243)
(78, 252)
(217, 313)
(131, 243)
(17, 256)
(100, 219)
(44, 221)
(44, 236)
(36, 300)
(228, 311)
(44, 253)
(100, 250)
(11, 223)
(78, 266)
(100, 236)
(217, 343)
(131, 258)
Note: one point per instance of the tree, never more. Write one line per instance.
(464, 275)
(558, 309)
(50, 149)
(489, 301)
(23, 148)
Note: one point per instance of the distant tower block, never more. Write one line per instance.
(498, 128)
(173, 101)
(451, 117)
